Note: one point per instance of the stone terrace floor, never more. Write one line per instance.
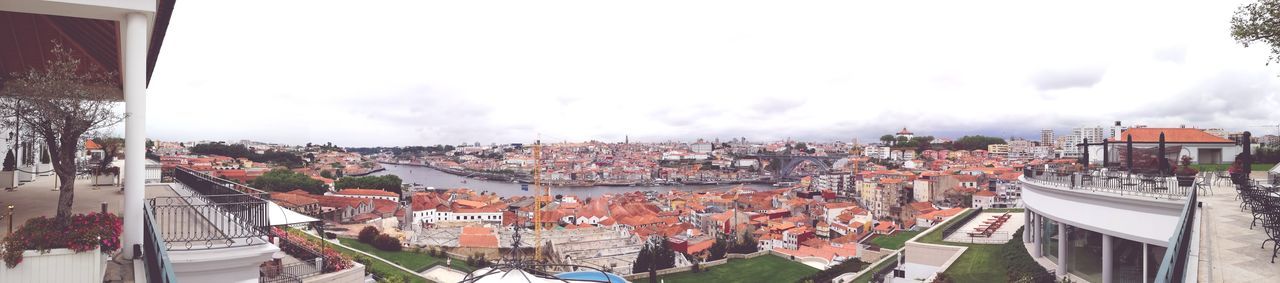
(1229, 250)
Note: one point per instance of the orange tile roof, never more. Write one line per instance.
(288, 200)
(984, 193)
(1171, 135)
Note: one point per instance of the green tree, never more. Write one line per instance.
(887, 139)
(326, 174)
(718, 249)
(1258, 22)
(975, 142)
(281, 180)
(390, 183)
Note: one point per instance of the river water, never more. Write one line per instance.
(441, 180)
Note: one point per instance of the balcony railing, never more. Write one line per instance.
(158, 267)
(1174, 266)
(1115, 181)
(215, 214)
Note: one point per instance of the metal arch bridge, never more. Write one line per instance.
(788, 163)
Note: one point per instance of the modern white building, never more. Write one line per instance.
(1117, 235)
(1203, 147)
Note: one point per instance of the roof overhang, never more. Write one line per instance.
(90, 28)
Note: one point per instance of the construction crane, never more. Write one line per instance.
(541, 194)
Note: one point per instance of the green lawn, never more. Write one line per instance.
(980, 263)
(1223, 167)
(765, 268)
(377, 264)
(413, 261)
(866, 276)
(895, 241)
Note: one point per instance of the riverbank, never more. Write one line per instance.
(425, 176)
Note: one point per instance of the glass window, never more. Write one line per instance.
(1085, 256)
(1155, 254)
(1127, 260)
(1049, 240)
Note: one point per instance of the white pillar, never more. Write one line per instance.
(1107, 262)
(135, 137)
(1144, 263)
(1062, 249)
(1039, 222)
(1026, 232)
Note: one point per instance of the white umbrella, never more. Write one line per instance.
(278, 215)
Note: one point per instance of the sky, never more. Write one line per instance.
(387, 73)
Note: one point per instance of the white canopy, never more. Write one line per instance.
(278, 215)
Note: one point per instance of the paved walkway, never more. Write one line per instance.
(37, 198)
(442, 273)
(1229, 250)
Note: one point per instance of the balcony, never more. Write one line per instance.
(205, 229)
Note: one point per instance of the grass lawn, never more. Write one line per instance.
(765, 268)
(377, 264)
(412, 261)
(895, 241)
(866, 276)
(980, 263)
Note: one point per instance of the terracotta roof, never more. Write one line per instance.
(292, 200)
(477, 237)
(984, 193)
(1171, 135)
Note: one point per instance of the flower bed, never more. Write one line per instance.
(333, 260)
(82, 232)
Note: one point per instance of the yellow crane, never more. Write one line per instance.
(541, 195)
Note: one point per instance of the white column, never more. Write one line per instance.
(1026, 232)
(1039, 221)
(1062, 249)
(1107, 262)
(135, 134)
(1144, 263)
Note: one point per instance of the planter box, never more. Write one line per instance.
(104, 180)
(25, 175)
(8, 179)
(59, 265)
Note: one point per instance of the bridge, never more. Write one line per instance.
(787, 163)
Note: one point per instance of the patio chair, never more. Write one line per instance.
(1203, 184)
(1270, 211)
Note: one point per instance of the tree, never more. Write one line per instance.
(367, 234)
(283, 180)
(326, 174)
(61, 103)
(718, 249)
(1258, 22)
(887, 139)
(387, 243)
(110, 149)
(975, 142)
(10, 163)
(390, 183)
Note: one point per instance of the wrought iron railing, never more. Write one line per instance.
(1174, 266)
(207, 222)
(156, 258)
(1115, 181)
(209, 185)
(291, 272)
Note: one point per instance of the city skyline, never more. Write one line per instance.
(444, 74)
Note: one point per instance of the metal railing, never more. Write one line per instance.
(1174, 266)
(1115, 181)
(200, 222)
(209, 185)
(156, 258)
(292, 272)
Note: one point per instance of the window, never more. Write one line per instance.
(1049, 238)
(1085, 253)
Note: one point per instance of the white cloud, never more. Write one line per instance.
(393, 73)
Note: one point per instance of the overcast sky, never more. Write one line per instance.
(411, 73)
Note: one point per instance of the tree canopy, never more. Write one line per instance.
(390, 183)
(1258, 22)
(283, 180)
(286, 159)
(975, 142)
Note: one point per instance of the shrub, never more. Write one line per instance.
(82, 232)
(10, 163)
(387, 243)
(330, 235)
(367, 234)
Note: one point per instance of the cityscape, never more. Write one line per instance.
(158, 141)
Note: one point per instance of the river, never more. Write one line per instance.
(441, 180)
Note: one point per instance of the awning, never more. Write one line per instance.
(278, 215)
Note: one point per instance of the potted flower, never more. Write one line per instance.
(1185, 174)
(9, 173)
(80, 242)
(1239, 174)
